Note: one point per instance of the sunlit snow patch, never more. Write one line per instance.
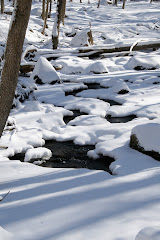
(44, 72)
(143, 61)
(37, 153)
(4, 235)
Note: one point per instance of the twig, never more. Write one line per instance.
(4, 196)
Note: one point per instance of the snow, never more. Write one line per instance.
(67, 203)
(149, 233)
(148, 136)
(147, 61)
(45, 71)
(36, 153)
(5, 235)
(80, 39)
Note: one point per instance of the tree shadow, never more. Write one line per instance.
(78, 198)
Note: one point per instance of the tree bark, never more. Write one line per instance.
(96, 52)
(43, 9)
(98, 4)
(60, 13)
(45, 19)
(12, 58)
(63, 11)
(2, 6)
(50, 8)
(124, 1)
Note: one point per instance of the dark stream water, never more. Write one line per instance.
(68, 155)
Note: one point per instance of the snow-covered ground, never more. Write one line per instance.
(66, 204)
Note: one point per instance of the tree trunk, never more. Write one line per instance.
(115, 2)
(13, 2)
(43, 9)
(50, 8)
(60, 12)
(124, 1)
(2, 6)
(46, 16)
(63, 11)
(98, 3)
(13, 53)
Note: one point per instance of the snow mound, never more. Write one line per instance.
(144, 61)
(4, 235)
(51, 120)
(97, 67)
(37, 153)
(77, 65)
(44, 72)
(80, 39)
(72, 64)
(149, 233)
(120, 87)
(35, 106)
(148, 136)
(87, 120)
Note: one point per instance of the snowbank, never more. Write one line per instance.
(4, 235)
(149, 233)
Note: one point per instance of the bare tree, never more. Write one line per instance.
(115, 2)
(98, 3)
(43, 9)
(50, 8)
(63, 11)
(2, 6)
(46, 16)
(12, 57)
(60, 13)
(124, 1)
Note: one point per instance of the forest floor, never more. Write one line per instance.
(77, 121)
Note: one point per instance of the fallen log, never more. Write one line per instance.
(90, 51)
(25, 68)
(96, 51)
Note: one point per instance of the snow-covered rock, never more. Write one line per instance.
(143, 61)
(81, 38)
(149, 233)
(145, 138)
(97, 67)
(120, 87)
(44, 72)
(38, 153)
(77, 65)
